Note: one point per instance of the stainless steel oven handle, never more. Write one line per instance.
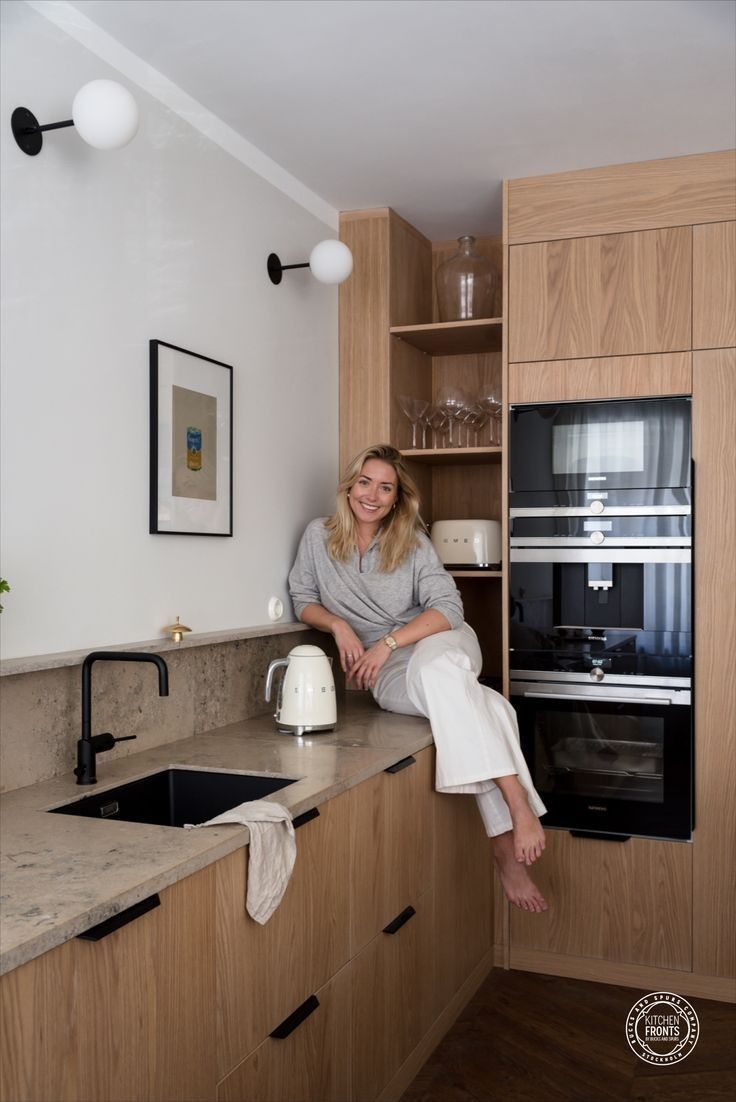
(601, 699)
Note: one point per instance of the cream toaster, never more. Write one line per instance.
(475, 544)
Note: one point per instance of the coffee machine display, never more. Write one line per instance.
(601, 612)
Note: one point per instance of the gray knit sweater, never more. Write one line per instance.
(372, 602)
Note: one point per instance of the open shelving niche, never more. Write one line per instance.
(455, 483)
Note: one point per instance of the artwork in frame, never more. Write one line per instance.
(191, 489)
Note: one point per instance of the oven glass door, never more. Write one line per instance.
(617, 766)
(572, 611)
(600, 445)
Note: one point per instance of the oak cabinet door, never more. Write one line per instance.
(614, 295)
(628, 902)
(128, 1018)
(606, 377)
(714, 285)
(393, 998)
(264, 972)
(310, 1063)
(463, 891)
(390, 844)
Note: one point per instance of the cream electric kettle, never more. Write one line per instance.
(306, 699)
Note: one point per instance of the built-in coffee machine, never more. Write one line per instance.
(601, 612)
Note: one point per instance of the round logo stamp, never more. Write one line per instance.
(662, 1028)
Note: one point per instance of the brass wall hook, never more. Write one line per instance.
(177, 631)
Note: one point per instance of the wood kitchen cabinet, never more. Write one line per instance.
(393, 1002)
(625, 901)
(265, 972)
(310, 1064)
(613, 295)
(714, 285)
(127, 1018)
(392, 343)
(463, 891)
(390, 844)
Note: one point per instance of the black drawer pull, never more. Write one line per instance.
(110, 925)
(399, 921)
(399, 765)
(305, 817)
(300, 1014)
(600, 837)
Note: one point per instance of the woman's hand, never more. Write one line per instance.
(365, 671)
(349, 646)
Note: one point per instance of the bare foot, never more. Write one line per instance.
(518, 886)
(529, 840)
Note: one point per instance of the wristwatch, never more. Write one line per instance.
(390, 642)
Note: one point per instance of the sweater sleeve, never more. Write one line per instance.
(303, 582)
(435, 587)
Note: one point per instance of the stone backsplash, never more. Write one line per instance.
(210, 685)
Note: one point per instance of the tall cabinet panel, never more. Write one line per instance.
(714, 895)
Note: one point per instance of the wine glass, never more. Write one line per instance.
(453, 403)
(437, 422)
(489, 399)
(414, 409)
(475, 418)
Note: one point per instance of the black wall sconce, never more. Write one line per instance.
(330, 262)
(103, 111)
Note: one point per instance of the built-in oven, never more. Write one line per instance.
(600, 533)
(596, 447)
(613, 760)
(623, 610)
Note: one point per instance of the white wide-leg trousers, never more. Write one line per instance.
(474, 728)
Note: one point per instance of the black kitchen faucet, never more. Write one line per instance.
(89, 745)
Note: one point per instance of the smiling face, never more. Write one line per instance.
(373, 494)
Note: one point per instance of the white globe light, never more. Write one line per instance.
(331, 261)
(105, 114)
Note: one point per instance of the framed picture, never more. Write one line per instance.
(191, 443)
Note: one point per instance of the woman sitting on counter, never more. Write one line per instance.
(370, 576)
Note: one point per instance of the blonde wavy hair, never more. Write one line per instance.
(398, 533)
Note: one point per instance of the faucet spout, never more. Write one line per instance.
(88, 745)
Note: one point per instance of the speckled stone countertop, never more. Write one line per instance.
(62, 874)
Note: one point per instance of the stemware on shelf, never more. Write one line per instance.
(414, 409)
(489, 399)
(438, 422)
(453, 403)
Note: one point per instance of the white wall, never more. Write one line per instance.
(165, 239)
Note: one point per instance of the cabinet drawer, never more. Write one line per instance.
(390, 845)
(263, 972)
(614, 295)
(309, 1065)
(393, 999)
(629, 902)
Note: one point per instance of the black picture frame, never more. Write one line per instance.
(191, 443)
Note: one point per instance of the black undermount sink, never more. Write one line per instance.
(174, 797)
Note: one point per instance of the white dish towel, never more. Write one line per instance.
(272, 853)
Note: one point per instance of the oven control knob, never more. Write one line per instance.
(597, 537)
(597, 674)
(597, 506)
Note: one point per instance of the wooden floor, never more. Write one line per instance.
(531, 1038)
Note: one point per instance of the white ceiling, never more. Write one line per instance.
(426, 105)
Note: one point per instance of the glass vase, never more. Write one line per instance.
(466, 284)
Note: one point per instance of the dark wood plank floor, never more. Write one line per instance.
(531, 1038)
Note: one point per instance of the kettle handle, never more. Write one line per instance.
(269, 676)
